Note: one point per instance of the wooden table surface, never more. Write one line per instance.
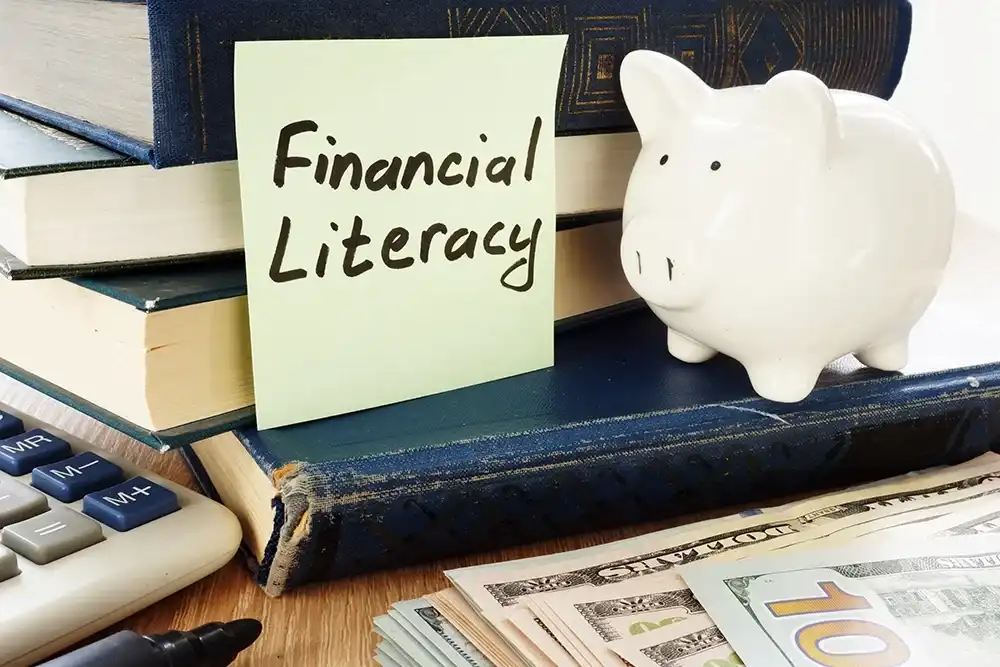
(322, 625)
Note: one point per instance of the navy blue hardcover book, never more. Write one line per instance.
(172, 97)
(616, 432)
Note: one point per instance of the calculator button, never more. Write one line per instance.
(8, 564)
(73, 478)
(131, 504)
(10, 425)
(21, 453)
(19, 502)
(50, 536)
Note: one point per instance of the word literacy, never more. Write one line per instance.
(455, 245)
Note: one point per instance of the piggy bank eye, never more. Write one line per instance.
(663, 160)
(716, 165)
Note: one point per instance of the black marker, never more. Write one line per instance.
(209, 645)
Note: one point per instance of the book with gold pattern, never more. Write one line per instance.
(154, 78)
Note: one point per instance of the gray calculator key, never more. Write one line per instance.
(19, 502)
(8, 564)
(50, 536)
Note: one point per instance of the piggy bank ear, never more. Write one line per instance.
(658, 90)
(800, 104)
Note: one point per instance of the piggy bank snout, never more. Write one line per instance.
(661, 268)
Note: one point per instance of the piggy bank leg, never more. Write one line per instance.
(685, 349)
(885, 356)
(783, 382)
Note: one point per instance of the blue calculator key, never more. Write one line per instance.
(131, 504)
(10, 425)
(73, 478)
(20, 453)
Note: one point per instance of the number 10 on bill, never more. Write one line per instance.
(817, 621)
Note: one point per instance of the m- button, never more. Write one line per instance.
(71, 479)
(130, 504)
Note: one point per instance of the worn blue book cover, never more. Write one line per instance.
(183, 55)
(616, 432)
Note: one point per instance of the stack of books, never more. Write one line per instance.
(124, 283)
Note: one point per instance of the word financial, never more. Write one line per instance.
(397, 252)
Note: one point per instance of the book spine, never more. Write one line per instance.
(852, 44)
(340, 521)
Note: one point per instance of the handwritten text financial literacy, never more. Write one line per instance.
(398, 250)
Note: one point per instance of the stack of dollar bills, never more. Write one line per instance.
(902, 573)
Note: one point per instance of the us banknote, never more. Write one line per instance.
(888, 523)
(977, 517)
(628, 617)
(498, 592)
(877, 603)
(396, 645)
(502, 586)
(414, 631)
(475, 628)
(559, 631)
(693, 642)
(981, 518)
(597, 617)
(971, 515)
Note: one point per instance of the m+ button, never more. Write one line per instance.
(130, 504)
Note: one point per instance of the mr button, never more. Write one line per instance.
(130, 504)
(21, 453)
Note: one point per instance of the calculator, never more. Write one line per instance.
(87, 539)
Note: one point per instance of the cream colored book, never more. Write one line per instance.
(57, 189)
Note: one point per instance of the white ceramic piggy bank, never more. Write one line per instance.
(784, 225)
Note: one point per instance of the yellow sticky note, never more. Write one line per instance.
(399, 216)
